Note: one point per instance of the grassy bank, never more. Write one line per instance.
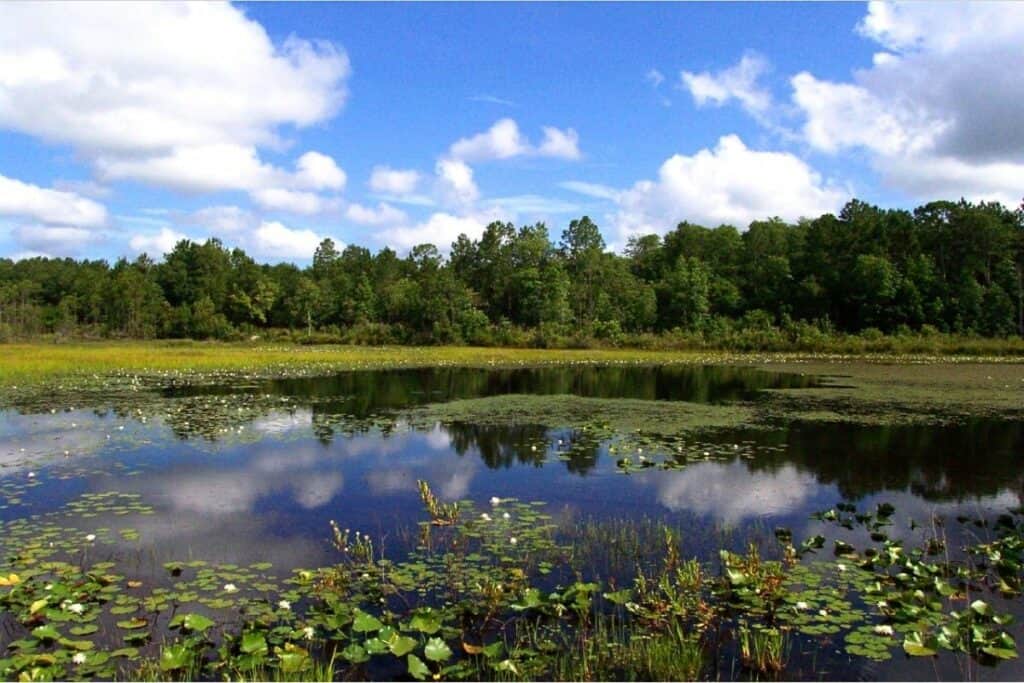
(41, 361)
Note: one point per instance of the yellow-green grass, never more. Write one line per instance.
(29, 362)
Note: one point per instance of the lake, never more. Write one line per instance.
(244, 479)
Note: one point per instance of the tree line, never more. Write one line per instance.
(945, 266)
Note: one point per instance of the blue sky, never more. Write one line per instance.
(125, 127)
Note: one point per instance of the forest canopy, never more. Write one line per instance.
(945, 266)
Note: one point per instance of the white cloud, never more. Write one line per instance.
(318, 171)
(49, 206)
(274, 239)
(156, 244)
(144, 92)
(533, 204)
(221, 219)
(503, 140)
(53, 240)
(654, 77)
(560, 144)
(737, 82)
(394, 181)
(440, 229)
(384, 214)
(728, 184)
(595, 190)
(455, 183)
(137, 79)
(938, 110)
(293, 201)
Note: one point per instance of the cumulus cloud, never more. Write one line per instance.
(383, 214)
(25, 200)
(51, 240)
(222, 219)
(292, 201)
(739, 82)
(938, 109)
(272, 238)
(503, 140)
(318, 171)
(156, 244)
(393, 180)
(144, 92)
(455, 184)
(440, 229)
(728, 184)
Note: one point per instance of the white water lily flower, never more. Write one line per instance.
(90, 537)
(506, 516)
(495, 500)
(802, 605)
(486, 517)
(31, 475)
(841, 567)
(823, 612)
(513, 540)
(230, 588)
(307, 633)
(884, 630)
(284, 604)
(76, 607)
(79, 658)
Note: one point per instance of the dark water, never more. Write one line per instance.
(266, 489)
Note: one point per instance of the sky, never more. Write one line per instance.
(127, 127)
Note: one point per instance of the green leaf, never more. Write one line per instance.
(355, 654)
(132, 624)
(364, 622)
(417, 669)
(426, 621)
(619, 597)
(437, 650)
(915, 646)
(402, 645)
(197, 622)
(46, 632)
(37, 605)
(126, 652)
(1000, 652)
(174, 657)
(254, 643)
(375, 646)
(981, 608)
(84, 630)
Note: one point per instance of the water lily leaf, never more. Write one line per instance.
(472, 649)
(425, 621)
(197, 622)
(915, 646)
(495, 649)
(132, 624)
(375, 646)
(1000, 652)
(254, 643)
(46, 632)
(84, 630)
(981, 608)
(364, 622)
(355, 654)
(77, 644)
(437, 650)
(401, 645)
(294, 662)
(126, 652)
(175, 657)
(417, 669)
(37, 605)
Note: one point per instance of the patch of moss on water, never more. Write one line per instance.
(913, 391)
(614, 416)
